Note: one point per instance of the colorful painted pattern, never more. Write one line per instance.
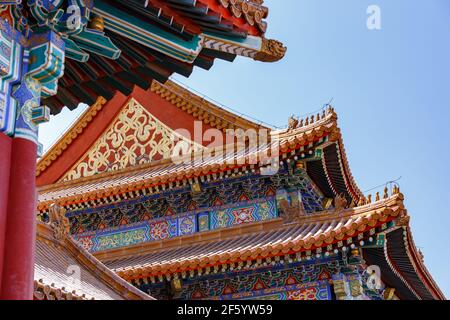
(164, 229)
(177, 226)
(174, 202)
(296, 281)
(215, 196)
(259, 211)
(10, 71)
(119, 239)
(310, 291)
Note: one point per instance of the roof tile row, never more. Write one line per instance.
(305, 234)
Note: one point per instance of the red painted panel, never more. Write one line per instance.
(166, 112)
(83, 142)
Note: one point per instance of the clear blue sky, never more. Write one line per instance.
(390, 87)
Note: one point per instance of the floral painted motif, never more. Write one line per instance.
(86, 242)
(203, 222)
(222, 219)
(306, 294)
(243, 215)
(187, 225)
(159, 230)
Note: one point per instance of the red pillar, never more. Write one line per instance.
(18, 264)
(5, 162)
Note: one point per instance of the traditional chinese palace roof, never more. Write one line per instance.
(275, 240)
(64, 270)
(127, 43)
(333, 174)
(99, 166)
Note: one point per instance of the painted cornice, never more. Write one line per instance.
(289, 140)
(348, 223)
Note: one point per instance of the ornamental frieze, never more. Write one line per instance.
(135, 137)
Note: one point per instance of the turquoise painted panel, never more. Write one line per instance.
(96, 42)
(120, 239)
(148, 34)
(177, 226)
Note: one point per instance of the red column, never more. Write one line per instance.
(5, 161)
(18, 264)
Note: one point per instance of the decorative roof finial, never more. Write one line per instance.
(361, 201)
(386, 193)
(340, 203)
(421, 255)
(293, 123)
(271, 51)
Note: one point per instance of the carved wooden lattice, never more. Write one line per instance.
(135, 137)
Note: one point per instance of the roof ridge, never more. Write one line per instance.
(170, 87)
(105, 275)
(392, 204)
(313, 234)
(301, 135)
(418, 259)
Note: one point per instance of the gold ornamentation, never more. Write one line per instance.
(70, 135)
(300, 165)
(97, 23)
(176, 285)
(180, 97)
(389, 294)
(271, 51)
(327, 203)
(355, 288)
(59, 221)
(196, 188)
(339, 289)
(135, 137)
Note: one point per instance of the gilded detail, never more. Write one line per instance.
(135, 137)
(271, 51)
(59, 222)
